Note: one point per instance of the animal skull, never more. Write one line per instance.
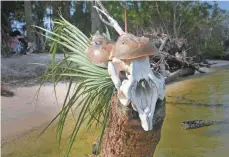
(142, 87)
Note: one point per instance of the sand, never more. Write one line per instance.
(25, 111)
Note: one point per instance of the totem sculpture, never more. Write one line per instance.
(129, 68)
(138, 89)
(130, 55)
(142, 87)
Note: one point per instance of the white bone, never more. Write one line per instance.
(114, 77)
(160, 83)
(143, 99)
(125, 89)
(112, 22)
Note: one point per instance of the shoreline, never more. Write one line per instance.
(35, 80)
(39, 112)
(29, 115)
(21, 71)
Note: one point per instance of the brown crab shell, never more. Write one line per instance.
(99, 54)
(129, 47)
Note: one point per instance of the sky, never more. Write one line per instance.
(223, 4)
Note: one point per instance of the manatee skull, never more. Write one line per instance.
(141, 87)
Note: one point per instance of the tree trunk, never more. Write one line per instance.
(39, 42)
(65, 7)
(179, 73)
(125, 137)
(5, 47)
(39, 11)
(95, 20)
(29, 21)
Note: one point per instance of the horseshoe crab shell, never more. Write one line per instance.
(129, 47)
(99, 51)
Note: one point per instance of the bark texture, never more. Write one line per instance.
(96, 23)
(125, 137)
(29, 22)
(178, 74)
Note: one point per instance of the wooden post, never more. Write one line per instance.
(125, 137)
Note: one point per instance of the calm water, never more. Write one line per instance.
(209, 141)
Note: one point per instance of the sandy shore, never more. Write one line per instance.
(26, 111)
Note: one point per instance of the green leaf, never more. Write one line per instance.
(93, 88)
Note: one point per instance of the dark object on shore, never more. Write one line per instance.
(6, 93)
(194, 124)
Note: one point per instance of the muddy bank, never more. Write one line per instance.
(21, 70)
(26, 67)
(26, 70)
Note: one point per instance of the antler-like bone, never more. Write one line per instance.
(114, 76)
(112, 22)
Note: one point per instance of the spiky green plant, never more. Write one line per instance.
(92, 85)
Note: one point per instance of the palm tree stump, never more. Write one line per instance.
(124, 135)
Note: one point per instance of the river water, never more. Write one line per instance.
(211, 141)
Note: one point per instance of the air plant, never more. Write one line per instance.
(92, 86)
